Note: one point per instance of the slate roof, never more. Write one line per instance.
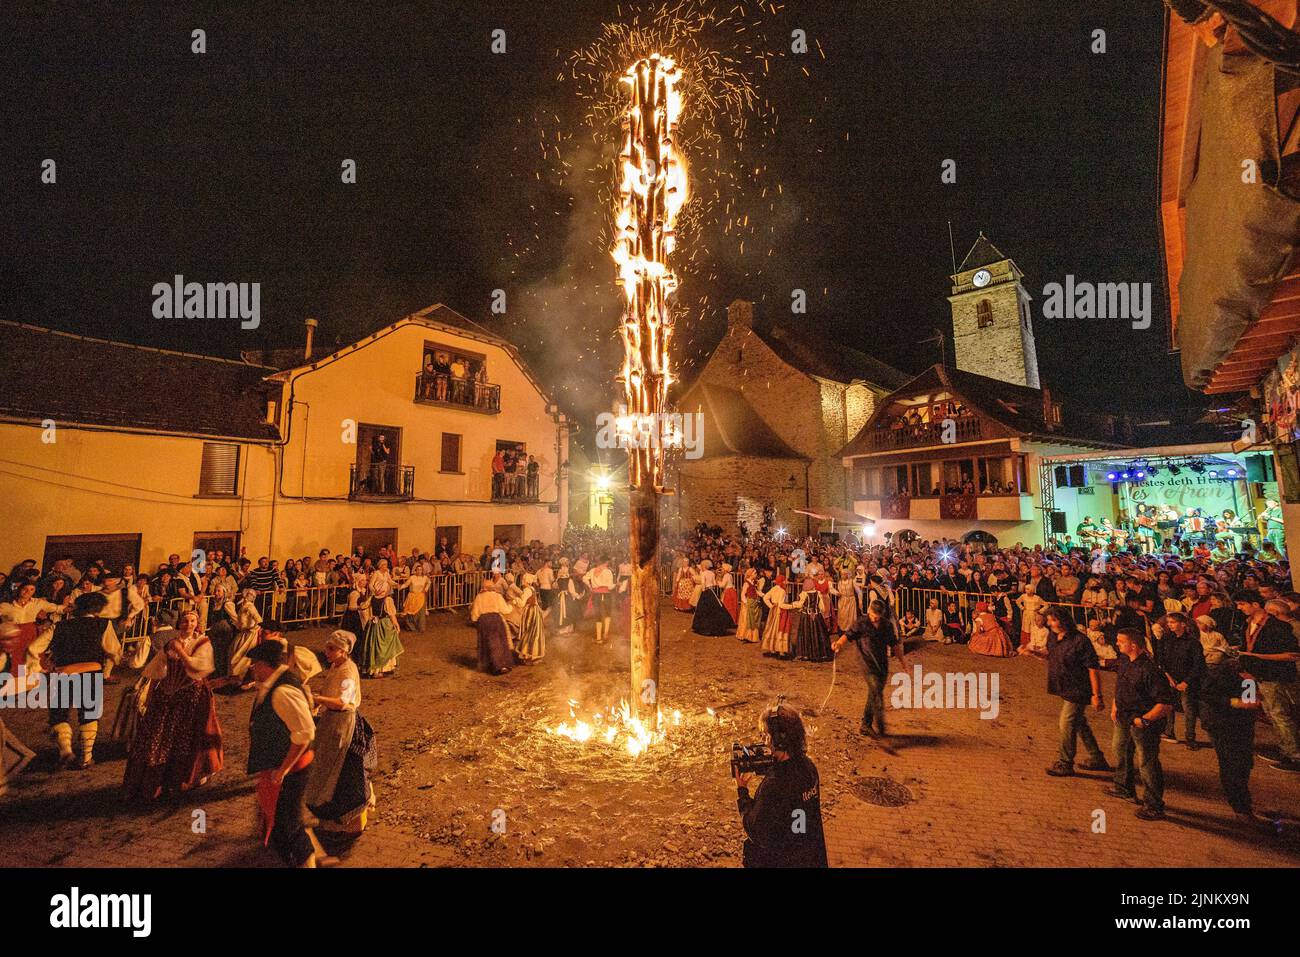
(77, 380)
(733, 427)
(983, 253)
(812, 353)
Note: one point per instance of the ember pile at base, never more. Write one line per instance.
(617, 727)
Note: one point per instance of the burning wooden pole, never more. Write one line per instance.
(652, 191)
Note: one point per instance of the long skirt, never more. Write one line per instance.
(130, 710)
(682, 593)
(222, 636)
(776, 633)
(531, 643)
(380, 646)
(750, 621)
(351, 623)
(711, 617)
(812, 641)
(848, 611)
(989, 639)
(731, 602)
(494, 654)
(245, 641)
(178, 742)
(342, 793)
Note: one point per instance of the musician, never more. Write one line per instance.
(1271, 521)
(1086, 530)
(1145, 523)
(1223, 551)
(1223, 529)
(1194, 526)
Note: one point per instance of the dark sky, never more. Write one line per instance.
(225, 167)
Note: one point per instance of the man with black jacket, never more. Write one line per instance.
(783, 819)
(875, 634)
(1270, 656)
(1181, 658)
(1143, 700)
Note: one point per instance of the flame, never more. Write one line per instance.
(652, 190)
(617, 727)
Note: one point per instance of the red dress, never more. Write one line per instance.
(731, 602)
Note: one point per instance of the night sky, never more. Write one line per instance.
(225, 167)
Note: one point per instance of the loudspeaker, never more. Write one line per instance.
(1078, 476)
(1259, 468)
(1058, 523)
(1062, 476)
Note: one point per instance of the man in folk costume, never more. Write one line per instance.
(123, 608)
(600, 579)
(280, 734)
(24, 613)
(79, 646)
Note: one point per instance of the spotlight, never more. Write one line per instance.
(1233, 473)
(1174, 470)
(1153, 471)
(1214, 473)
(1141, 473)
(1197, 467)
(1124, 476)
(1111, 477)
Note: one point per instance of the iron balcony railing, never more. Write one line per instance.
(381, 480)
(469, 394)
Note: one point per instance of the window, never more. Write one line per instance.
(373, 539)
(984, 313)
(508, 534)
(114, 550)
(219, 472)
(225, 542)
(922, 484)
(450, 452)
(449, 533)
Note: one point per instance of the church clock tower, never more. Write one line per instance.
(992, 325)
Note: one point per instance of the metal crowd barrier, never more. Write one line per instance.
(917, 600)
(313, 604)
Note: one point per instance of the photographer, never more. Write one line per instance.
(783, 820)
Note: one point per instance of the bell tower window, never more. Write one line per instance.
(983, 314)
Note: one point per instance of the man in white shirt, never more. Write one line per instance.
(280, 733)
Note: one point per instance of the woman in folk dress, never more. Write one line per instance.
(381, 643)
(776, 634)
(751, 608)
(248, 627)
(847, 611)
(730, 597)
(531, 644)
(684, 588)
(338, 788)
(987, 636)
(416, 605)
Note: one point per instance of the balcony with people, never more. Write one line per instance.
(456, 380)
(943, 423)
(381, 481)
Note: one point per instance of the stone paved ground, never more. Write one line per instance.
(458, 747)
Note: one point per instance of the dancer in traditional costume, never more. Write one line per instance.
(488, 613)
(381, 642)
(987, 636)
(280, 733)
(578, 598)
(711, 616)
(338, 786)
(222, 619)
(248, 625)
(846, 612)
(416, 604)
(684, 588)
(530, 645)
(600, 579)
(730, 596)
(776, 633)
(24, 611)
(812, 640)
(177, 746)
(749, 622)
(352, 622)
(563, 600)
(80, 645)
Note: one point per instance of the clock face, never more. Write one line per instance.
(982, 278)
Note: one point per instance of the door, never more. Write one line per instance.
(114, 550)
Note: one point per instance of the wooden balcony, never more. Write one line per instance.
(966, 429)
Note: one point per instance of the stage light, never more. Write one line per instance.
(1153, 471)
(1111, 477)
(1233, 473)
(1124, 476)
(1141, 473)
(1174, 470)
(1214, 473)
(1197, 467)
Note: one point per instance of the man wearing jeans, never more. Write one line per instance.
(1073, 674)
(1269, 657)
(874, 635)
(1181, 658)
(1143, 701)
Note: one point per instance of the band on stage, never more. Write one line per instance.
(1165, 527)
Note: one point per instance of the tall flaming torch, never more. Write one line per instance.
(651, 193)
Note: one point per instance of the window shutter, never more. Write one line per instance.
(219, 473)
(450, 452)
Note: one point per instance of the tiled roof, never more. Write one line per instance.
(733, 427)
(77, 380)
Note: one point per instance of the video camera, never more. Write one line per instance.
(751, 759)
